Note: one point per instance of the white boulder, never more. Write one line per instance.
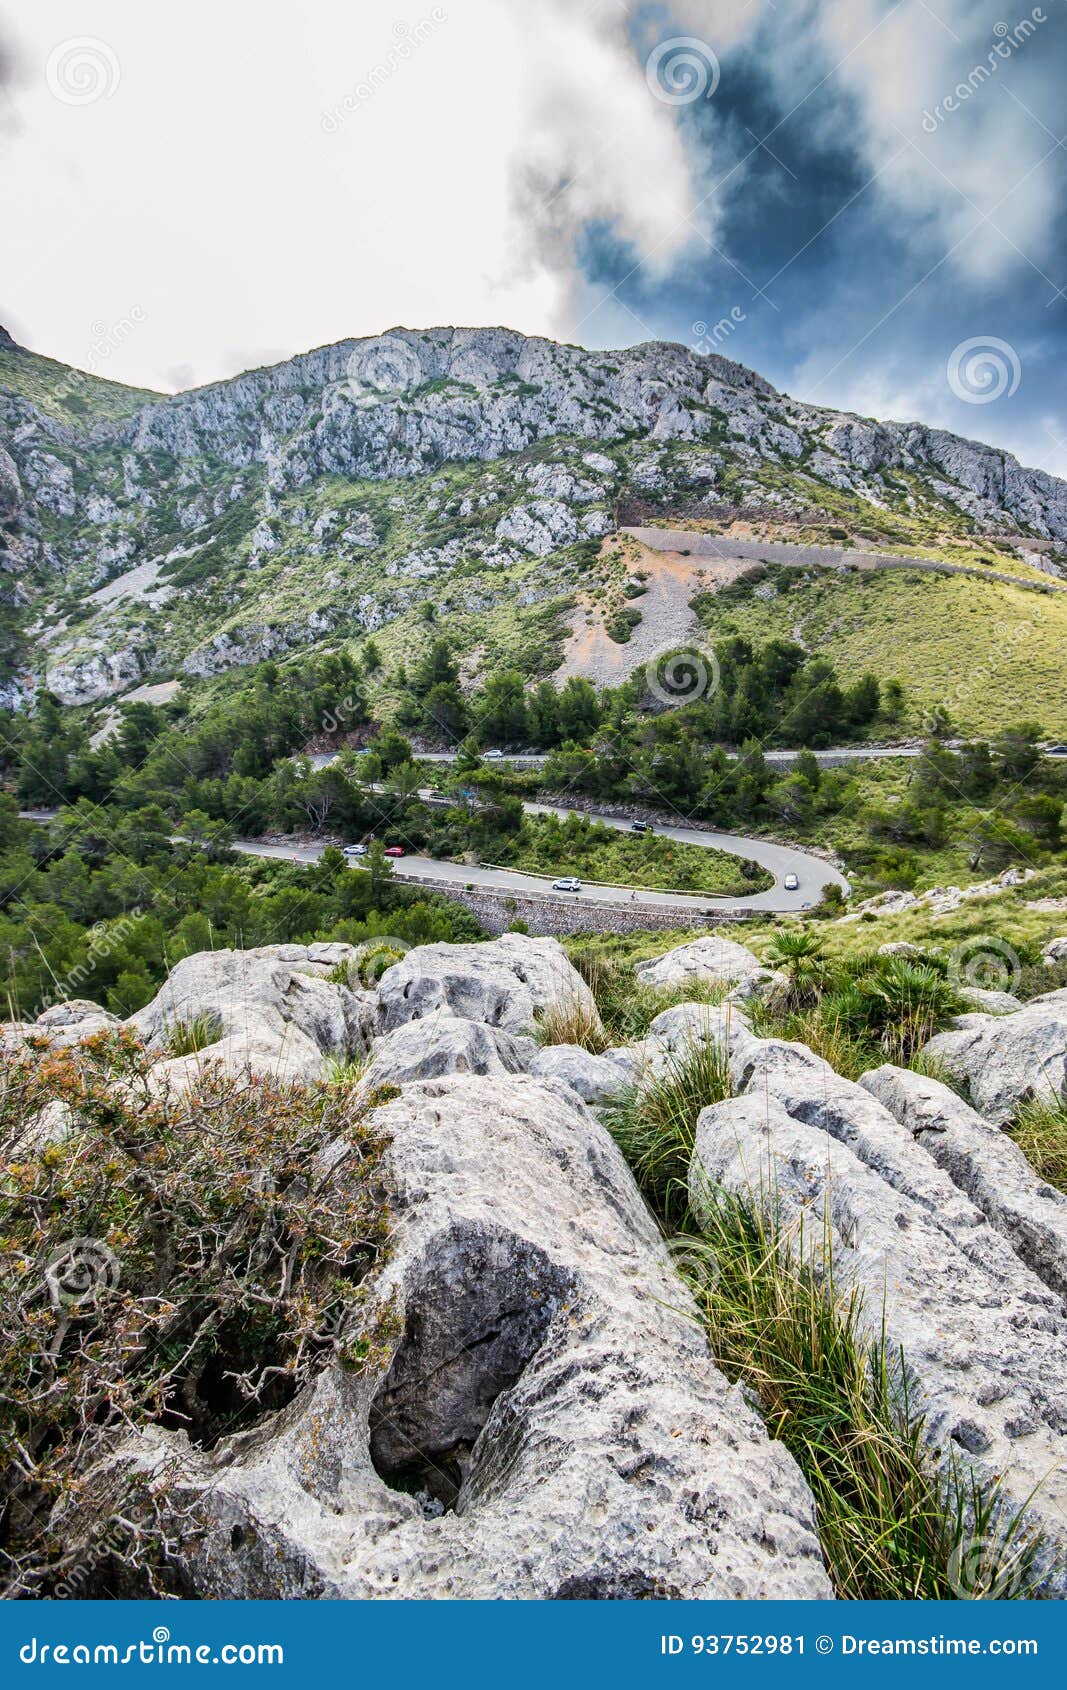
(596, 1079)
(268, 1015)
(503, 983)
(720, 961)
(442, 1044)
(1006, 1060)
(547, 1421)
(983, 1162)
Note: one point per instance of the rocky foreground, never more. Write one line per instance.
(547, 1419)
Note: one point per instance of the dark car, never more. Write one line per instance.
(641, 827)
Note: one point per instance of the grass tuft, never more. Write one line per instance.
(571, 1021)
(1041, 1134)
(654, 1122)
(890, 1527)
(186, 1037)
(626, 1007)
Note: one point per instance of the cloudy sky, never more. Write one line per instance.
(864, 200)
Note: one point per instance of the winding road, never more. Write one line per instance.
(812, 872)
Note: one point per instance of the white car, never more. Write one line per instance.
(791, 883)
(493, 756)
(567, 884)
(355, 850)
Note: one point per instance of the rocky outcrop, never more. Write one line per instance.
(974, 1340)
(67, 1023)
(983, 1162)
(1055, 952)
(814, 1094)
(548, 1421)
(939, 900)
(596, 1079)
(271, 1011)
(505, 983)
(718, 961)
(1006, 1060)
(443, 1044)
(242, 469)
(990, 1002)
(538, 1414)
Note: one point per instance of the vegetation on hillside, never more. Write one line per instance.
(574, 845)
(985, 652)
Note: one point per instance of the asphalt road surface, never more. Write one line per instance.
(780, 860)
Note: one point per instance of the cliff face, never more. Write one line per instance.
(318, 496)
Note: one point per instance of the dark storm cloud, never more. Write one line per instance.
(885, 187)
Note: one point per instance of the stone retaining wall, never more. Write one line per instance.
(550, 917)
(798, 555)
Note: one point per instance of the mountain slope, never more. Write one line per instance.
(468, 475)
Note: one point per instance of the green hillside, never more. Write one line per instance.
(986, 652)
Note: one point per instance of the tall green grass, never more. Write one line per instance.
(654, 1121)
(187, 1037)
(626, 1006)
(890, 1527)
(1040, 1131)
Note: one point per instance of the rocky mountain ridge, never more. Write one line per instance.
(474, 470)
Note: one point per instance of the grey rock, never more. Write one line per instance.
(441, 1044)
(77, 1012)
(722, 961)
(10, 489)
(984, 1358)
(984, 1163)
(763, 985)
(504, 983)
(540, 527)
(1007, 1060)
(596, 1079)
(61, 1026)
(813, 1093)
(991, 1003)
(272, 1016)
(686, 1024)
(548, 1397)
(1055, 951)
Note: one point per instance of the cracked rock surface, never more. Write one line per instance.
(549, 1422)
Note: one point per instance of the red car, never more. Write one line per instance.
(393, 851)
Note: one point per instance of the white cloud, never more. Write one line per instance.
(266, 178)
(279, 177)
(956, 150)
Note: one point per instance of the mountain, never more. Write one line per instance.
(473, 477)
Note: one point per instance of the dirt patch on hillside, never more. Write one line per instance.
(671, 580)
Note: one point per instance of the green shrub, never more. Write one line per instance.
(898, 1003)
